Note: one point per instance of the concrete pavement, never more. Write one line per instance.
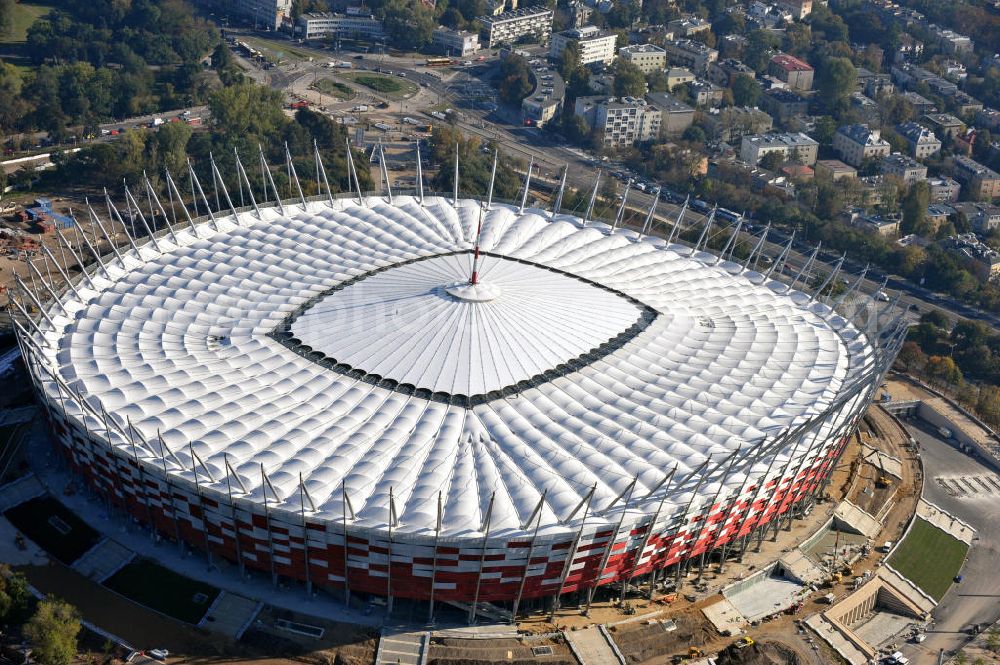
(977, 598)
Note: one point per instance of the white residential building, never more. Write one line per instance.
(508, 27)
(755, 147)
(594, 44)
(326, 24)
(856, 143)
(455, 42)
(622, 121)
(648, 58)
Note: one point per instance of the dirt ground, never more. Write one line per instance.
(452, 651)
(642, 642)
(759, 653)
(352, 644)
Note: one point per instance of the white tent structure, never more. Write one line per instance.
(273, 384)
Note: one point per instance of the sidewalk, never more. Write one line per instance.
(257, 586)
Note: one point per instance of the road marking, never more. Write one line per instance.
(985, 485)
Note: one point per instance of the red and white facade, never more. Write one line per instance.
(305, 392)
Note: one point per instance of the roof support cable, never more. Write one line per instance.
(172, 187)
(269, 179)
(781, 257)
(62, 273)
(384, 171)
(295, 176)
(195, 183)
(244, 179)
(593, 199)
(527, 185)
(220, 183)
(114, 214)
(557, 206)
(829, 278)
(704, 232)
(131, 201)
(649, 215)
(806, 271)
(48, 287)
(675, 231)
(620, 217)
(321, 178)
(352, 173)
(731, 243)
(454, 178)
(151, 196)
(758, 249)
(420, 175)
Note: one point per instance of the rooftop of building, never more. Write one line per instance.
(944, 119)
(900, 161)
(862, 134)
(790, 63)
(689, 45)
(668, 103)
(916, 133)
(523, 12)
(642, 48)
(784, 95)
(969, 164)
(782, 138)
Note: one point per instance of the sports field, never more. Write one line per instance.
(930, 558)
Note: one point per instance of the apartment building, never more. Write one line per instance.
(799, 9)
(546, 97)
(508, 27)
(904, 167)
(944, 189)
(675, 116)
(621, 121)
(705, 93)
(856, 143)
(262, 14)
(944, 124)
(595, 45)
(455, 42)
(725, 72)
(686, 27)
(791, 145)
(648, 58)
(319, 25)
(921, 141)
(798, 74)
(691, 54)
(980, 182)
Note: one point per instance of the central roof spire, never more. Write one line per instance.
(474, 279)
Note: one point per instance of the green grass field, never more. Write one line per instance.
(930, 558)
(276, 50)
(24, 15)
(53, 528)
(335, 89)
(163, 590)
(389, 86)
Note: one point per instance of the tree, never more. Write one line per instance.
(629, 80)
(944, 370)
(911, 358)
(772, 161)
(52, 631)
(410, 24)
(915, 203)
(569, 60)
(515, 79)
(837, 78)
(746, 91)
(7, 8)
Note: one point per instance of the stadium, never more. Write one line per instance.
(447, 399)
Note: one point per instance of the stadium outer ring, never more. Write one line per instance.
(293, 546)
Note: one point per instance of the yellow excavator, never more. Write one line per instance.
(884, 480)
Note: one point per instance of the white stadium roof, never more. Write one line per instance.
(325, 344)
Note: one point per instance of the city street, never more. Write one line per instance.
(977, 598)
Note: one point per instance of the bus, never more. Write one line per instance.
(439, 62)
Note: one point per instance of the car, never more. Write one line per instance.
(359, 57)
(158, 654)
(958, 579)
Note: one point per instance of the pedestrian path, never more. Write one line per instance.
(103, 560)
(397, 646)
(17, 492)
(591, 646)
(230, 614)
